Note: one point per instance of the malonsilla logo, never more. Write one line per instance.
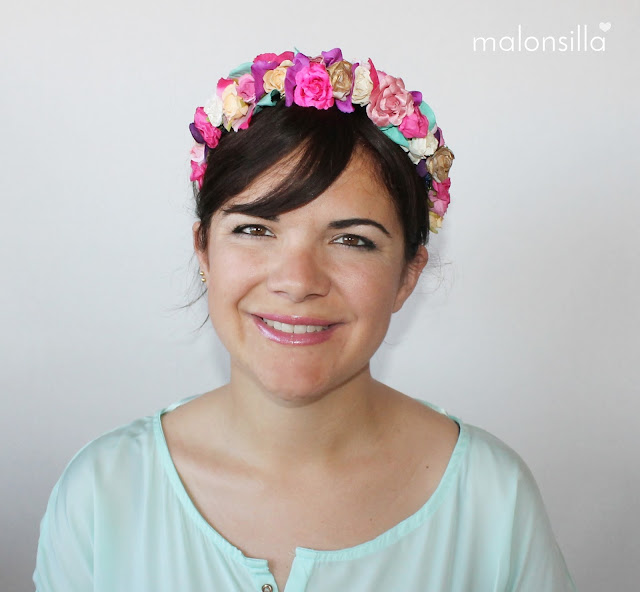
(576, 41)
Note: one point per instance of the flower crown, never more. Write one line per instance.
(322, 82)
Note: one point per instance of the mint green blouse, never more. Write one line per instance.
(119, 519)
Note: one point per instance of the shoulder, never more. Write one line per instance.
(491, 451)
(90, 491)
(498, 485)
(492, 459)
(117, 451)
(499, 492)
(489, 464)
(100, 469)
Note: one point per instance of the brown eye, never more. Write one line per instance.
(359, 242)
(252, 230)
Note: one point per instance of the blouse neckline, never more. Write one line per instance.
(387, 538)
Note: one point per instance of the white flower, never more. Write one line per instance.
(213, 109)
(419, 148)
(362, 85)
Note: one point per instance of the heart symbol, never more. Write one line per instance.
(605, 26)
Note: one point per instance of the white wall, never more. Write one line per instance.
(529, 328)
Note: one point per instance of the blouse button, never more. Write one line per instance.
(267, 588)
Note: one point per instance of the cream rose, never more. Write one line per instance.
(421, 147)
(233, 106)
(274, 79)
(362, 86)
(440, 163)
(341, 79)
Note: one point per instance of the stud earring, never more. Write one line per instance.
(202, 278)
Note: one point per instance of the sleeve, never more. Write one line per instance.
(518, 551)
(537, 563)
(64, 561)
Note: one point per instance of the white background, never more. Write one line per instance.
(528, 326)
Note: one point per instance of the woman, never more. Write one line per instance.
(317, 181)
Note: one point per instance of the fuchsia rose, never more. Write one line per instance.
(246, 88)
(415, 125)
(390, 102)
(313, 87)
(210, 134)
(197, 172)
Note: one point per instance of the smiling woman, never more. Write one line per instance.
(317, 182)
(300, 268)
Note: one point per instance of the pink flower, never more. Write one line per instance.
(390, 102)
(197, 152)
(415, 125)
(246, 88)
(313, 87)
(439, 195)
(439, 207)
(210, 134)
(222, 84)
(197, 172)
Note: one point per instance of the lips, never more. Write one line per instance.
(296, 320)
(311, 335)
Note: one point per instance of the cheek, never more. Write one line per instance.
(232, 268)
(371, 288)
(232, 275)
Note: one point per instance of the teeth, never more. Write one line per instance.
(295, 328)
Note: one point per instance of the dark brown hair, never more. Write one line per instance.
(324, 142)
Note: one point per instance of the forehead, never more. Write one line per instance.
(358, 187)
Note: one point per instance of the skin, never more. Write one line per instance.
(294, 418)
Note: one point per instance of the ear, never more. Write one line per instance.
(410, 277)
(203, 260)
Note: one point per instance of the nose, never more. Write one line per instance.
(298, 273)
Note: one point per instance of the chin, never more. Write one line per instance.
(293, 390)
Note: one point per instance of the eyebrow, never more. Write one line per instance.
(358, 222)
(340, 224)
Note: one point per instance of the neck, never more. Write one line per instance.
(317, 430)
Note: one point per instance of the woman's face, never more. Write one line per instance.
(336, 264)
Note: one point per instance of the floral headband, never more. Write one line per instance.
(323, 82)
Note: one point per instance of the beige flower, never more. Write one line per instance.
(362, 86)
(341, 78)
(233, 106)
(274, 79)
(435, 222)
(439, 164)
